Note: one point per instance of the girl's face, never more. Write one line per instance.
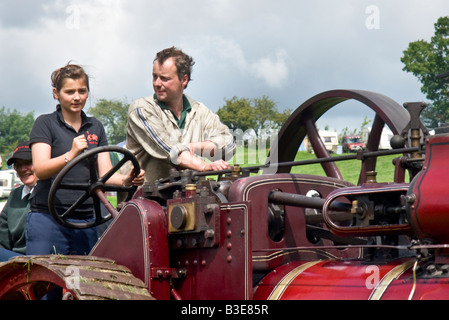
(73, 95)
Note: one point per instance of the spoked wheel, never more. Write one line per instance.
(68, 278)
(95, 188)
(302, 123)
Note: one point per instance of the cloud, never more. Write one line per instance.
(21, 14)
(272, 69)
(274, 72)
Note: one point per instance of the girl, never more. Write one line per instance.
(56, 139)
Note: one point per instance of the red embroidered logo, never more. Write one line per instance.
(92, 138)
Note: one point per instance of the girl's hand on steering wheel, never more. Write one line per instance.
(132, 179)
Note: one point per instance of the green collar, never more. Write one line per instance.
(186, 108)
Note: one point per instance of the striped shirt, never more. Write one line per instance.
(156, 139)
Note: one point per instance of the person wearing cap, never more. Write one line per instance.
(17, 207)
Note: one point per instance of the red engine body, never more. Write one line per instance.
(229, 241)
(349, 280)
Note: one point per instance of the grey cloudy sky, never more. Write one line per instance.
(289, 50)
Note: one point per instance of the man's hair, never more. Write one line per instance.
(183, 62)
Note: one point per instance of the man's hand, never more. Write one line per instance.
(216, 166)
(189, 161)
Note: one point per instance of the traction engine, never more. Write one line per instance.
(276, 235)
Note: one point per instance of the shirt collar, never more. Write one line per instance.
(186, 108)
(185, 100)
(84, 118)
(26, 191)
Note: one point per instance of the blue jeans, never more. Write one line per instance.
(6, 254)
(46, 236)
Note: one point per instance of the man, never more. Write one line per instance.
(171, 130)
(17, 207)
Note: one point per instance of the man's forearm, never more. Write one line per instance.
(187, 160)
(205, 148)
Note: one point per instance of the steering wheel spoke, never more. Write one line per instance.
(70, 213)
(74, 186)
(111, 172)
(111, 188)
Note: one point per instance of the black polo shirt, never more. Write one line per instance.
(53, 130)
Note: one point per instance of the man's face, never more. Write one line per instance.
(25, 171)
(166, 83)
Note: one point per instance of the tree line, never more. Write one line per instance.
(426, 60)
(237, 113)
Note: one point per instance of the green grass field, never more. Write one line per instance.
(350, 169)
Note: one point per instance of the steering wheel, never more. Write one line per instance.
(95, 188)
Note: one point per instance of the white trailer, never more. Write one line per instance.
(330, 140)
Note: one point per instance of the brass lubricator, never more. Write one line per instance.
(357, 208)
(190, 190)
(415, 125)
(371, 177)
(236, 171)
(182, 215)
